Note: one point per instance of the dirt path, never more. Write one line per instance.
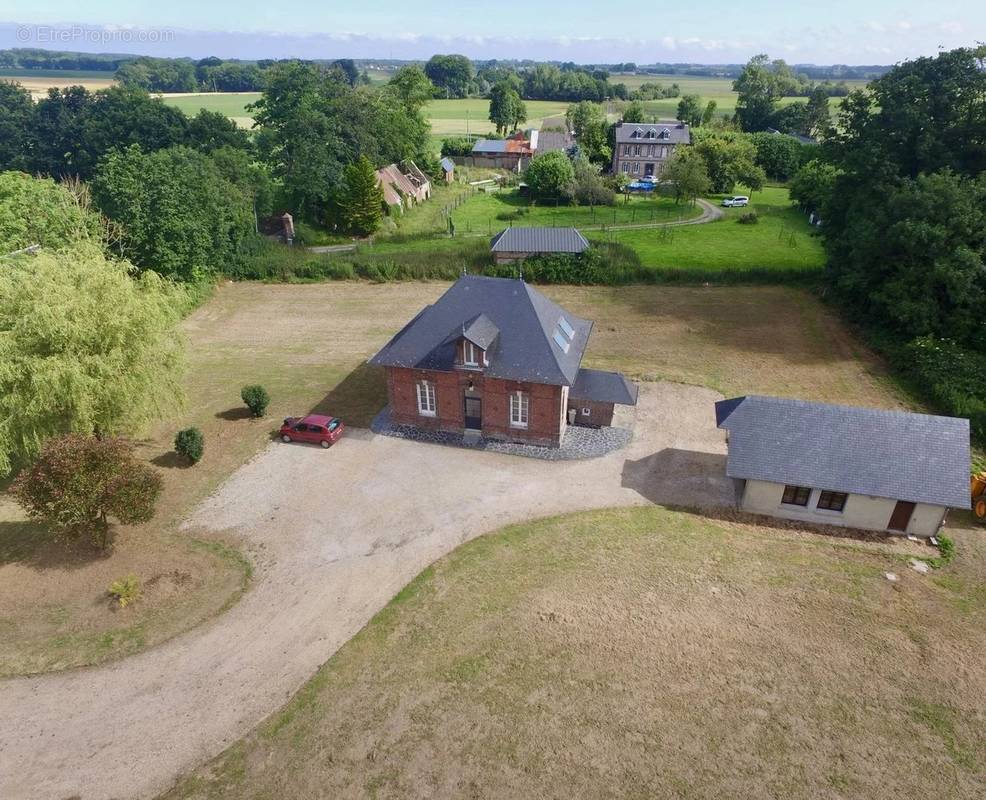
(334, 535)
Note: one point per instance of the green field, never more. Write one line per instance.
(67, 74)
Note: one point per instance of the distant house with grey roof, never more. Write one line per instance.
(495, 356)
(515, 244)
(841, 465)
(644, 149)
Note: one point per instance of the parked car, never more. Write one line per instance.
(735, 202)
(314, 428)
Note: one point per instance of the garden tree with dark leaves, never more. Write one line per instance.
(550, 175)
(811, 187)
(411, 88)
(210, 130)
(730, 158)
(74, 129)
(818, 116)
(780, 156)
(359, 201)
(86, 346)
(758, 88)
(507, 110)
(690, 110)
(904, 225)
(451, 74)
(41, 211)
(158, 75)
(179, 215)
(348, 69)
(587, 121)
(79, 484)
(589, 187)
(688, 174)
(16, 126)
(634, 112)
(710, 112)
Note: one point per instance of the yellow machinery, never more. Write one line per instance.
(978, 485)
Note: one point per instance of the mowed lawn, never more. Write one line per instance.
(781, 240)
(643, 653)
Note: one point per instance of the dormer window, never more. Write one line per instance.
(651, 134)
(470, 354)
(665, 134)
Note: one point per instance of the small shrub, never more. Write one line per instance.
(125, 590)
(190, 443)
(256, 399)
(749, 218)
(946, 551)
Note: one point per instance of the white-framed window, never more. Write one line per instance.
(470, 354)
(626, 166)
(519, 409)
(426, 398)
(626, 149)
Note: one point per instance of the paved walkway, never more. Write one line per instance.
(333, 534)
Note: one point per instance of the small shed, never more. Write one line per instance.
(448, 169)
(515, 244)
(594, 395)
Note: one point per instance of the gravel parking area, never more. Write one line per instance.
(333, 536)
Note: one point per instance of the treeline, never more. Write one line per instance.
(901, 187)
(34, 58)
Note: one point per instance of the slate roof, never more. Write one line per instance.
(481, 331)
(893, 454)
(525, 349)
(636, 132)
(603, 387)
(539, 240)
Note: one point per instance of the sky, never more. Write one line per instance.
(710, 31)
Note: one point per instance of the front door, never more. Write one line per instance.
(474, 413)
(901, 517)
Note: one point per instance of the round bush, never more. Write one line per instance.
(190, 443)
(256, 399)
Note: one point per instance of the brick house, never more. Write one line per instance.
(496, 357)
(644, 149)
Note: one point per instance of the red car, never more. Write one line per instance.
(314, 428)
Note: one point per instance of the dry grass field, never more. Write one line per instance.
(39, 85)
(306, 343)
(644, 653)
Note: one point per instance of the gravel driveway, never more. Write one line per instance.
(334, 535)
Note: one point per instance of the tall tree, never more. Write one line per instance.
(587, 121)
(180, 216)
(84, 347)
(688, 174)
(411, 87)
(452, 74)
(758, 92)
(690, 110)
(507, 110)
(360, 199)
(16, 126)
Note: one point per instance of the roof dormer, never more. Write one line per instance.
(478, 335)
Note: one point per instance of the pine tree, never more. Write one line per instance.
(360, 201)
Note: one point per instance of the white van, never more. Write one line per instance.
(735, 202)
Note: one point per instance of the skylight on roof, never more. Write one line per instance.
(561, 341)
(569, 330)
